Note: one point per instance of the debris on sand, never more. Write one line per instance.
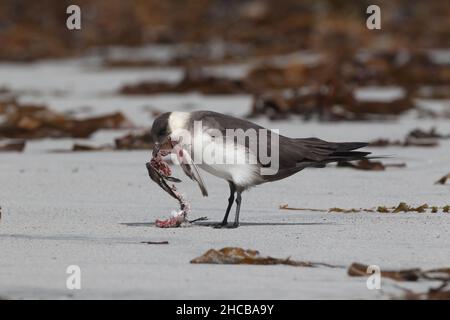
(135, 141)
(443, 180)
(353, 210)
(77, 147)
(286, 207)
(130, 141)
(414, 274)
(194, 80)
(369, 165)
(36, 121)
(12, 146)
(401, 207)
(415, 138)
(422, 134)
(267, 77)
(177, 219)
(265, 27)
(155, 242)
(235, 255)
(441, 292)
(407, 143)
(383, 209)
(328, 102)
(4, 90)
(360, 270)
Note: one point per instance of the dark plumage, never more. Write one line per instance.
(295, 154)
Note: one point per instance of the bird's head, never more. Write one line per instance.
(169, 129)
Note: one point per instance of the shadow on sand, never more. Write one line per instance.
(241, 224)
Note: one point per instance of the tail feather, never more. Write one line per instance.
(348, 146)
(320, 152)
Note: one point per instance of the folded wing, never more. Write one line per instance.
(190, 169)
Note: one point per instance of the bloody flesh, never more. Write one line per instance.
(160, 172)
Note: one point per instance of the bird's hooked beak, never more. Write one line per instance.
(167, 144)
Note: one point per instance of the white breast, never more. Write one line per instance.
(228, 161)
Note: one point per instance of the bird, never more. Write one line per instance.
(293, 154)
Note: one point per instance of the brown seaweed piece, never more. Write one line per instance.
(403, 207)
(415, 138)
(363, 165)
(441, 292)
(14, 146)
(360, 270)
(155, 242)
(443, 180)
(366, 164)
(78, 147)
(409, 142)
(193, 81)
(235, 255)
(132, 141)
(32, 122)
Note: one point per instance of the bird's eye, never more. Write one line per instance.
(162, 132)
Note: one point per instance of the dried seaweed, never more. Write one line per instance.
(33, 121)
(329, 102)
(263, 27)
(155, 242)
(134, 141)
(12, 146)
(411, 275)
(442, 292)
(265, 32)
(360, 270)
(286, 207)
(414, 274)
(415, 138)
(78, 147)
(353, 210)
(369, 165)
(401, 207)
(193, 81)
(234, 255)
(130, 141)
(430, 134)
(383, 209)
(443, 180)
(411, 142)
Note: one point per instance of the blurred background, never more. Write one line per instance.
(263, 59)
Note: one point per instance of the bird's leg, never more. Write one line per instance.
(238, 209)
(230, 204)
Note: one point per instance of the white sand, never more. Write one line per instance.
(94, 209)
